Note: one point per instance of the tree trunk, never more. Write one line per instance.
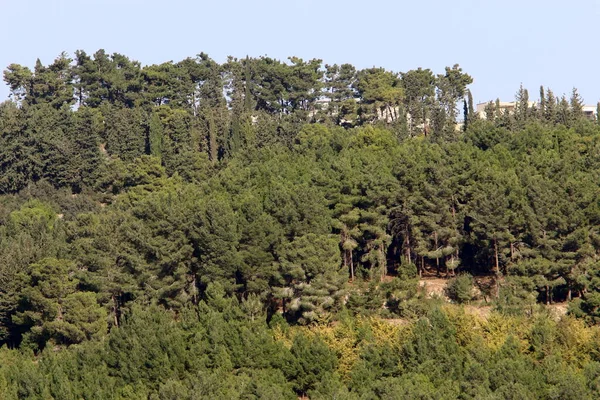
(115, 318)
(195, 297)
(351, 267)
(497, 268)
(383, 262)
(458, 258)
(496, 257)
(437, 259)
(408, 250)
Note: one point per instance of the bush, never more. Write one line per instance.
(460, 289)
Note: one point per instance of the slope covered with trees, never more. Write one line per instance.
(237, 230)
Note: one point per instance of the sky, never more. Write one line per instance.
(501, 44)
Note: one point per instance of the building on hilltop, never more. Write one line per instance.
(503, 106)
(588, 111)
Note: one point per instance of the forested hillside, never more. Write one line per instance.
(257, 229)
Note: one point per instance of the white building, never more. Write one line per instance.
(509, 106)
(588, 111)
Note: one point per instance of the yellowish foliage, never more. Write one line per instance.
(576, 340)
(387, 332)
(468, 326)
(342, 338)
(499, 327)
(348, 337)
(284, 336)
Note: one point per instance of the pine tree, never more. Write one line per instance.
(550, 111)
(576, 103)
(54, 310)
(86, 159)
(211, 131)
(248, 99)
(542, 106)
(126, 132)
(563, 112)
(522, 107)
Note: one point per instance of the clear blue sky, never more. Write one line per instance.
(500, 43)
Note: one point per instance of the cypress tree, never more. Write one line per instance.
(522, 107)
(466, 115)
(499, 112)
(156, 136)
(550, 107)
(248, 107)
(212, 136)
(564, 112)
(470, 99)
(234, 142)
(542, 108)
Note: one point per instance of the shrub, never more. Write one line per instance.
(460, 289)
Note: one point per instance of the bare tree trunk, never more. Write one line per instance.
(437, 259)
(382, 262)
(408, 250)
(454, 270)
(195, 296)
(351, 266)
(496, 257)
(115, 318)
(497, 268)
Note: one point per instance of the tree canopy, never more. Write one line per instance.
(257, 228)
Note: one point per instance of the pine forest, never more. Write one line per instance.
(267, 229)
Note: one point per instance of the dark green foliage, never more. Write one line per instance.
(125, 133)
(148, 347)
(51, 308)
(312, 360)
(460, 289)
(434, 349)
